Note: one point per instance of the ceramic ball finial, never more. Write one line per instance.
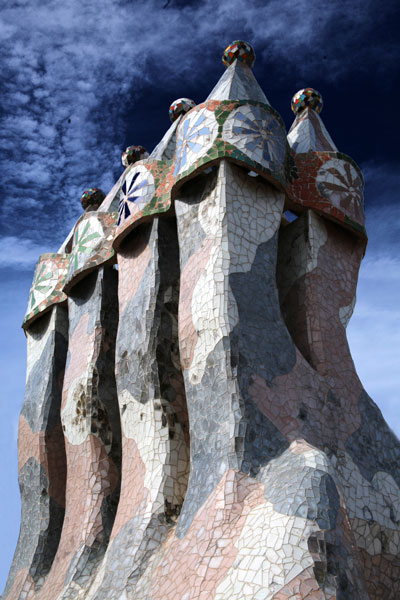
(308, 97)
(92, 198)
(132, 154)
(180, 107)
(241, 51)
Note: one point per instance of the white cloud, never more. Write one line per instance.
(20, 253)
(374, 333)
(374, 330)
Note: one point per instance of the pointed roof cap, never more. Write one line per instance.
(308, 132)
(165, 149)
(238, 81)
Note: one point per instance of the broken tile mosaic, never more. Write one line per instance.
(193, 425)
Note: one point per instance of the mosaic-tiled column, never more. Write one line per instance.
(317, 276)
(227, 226)
(242, 533)
(228, 237)
(90, 421)
(41, 455)
(152, 404)
(317, 273)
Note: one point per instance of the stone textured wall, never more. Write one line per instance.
(209, 438)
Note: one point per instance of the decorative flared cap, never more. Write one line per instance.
(241, 51)
(132, 154)
(92, 198)
(238, 81)
(308, 97)
(180, 107)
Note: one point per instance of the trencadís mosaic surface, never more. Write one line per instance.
(180, 107)
(193, 425)
(327, 181)
(48, 281)
(246, 132)
(91, 245)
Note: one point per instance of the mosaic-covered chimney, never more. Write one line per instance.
(193, 425)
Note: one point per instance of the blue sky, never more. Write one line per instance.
(82, 80)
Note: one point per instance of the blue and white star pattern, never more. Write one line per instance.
(195, 136)
(257, 133)
(136, 191)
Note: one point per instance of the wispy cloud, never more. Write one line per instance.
(374, 330)
(20, 253)
(374, 334)
(382, 207)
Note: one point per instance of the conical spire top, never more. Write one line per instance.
(165, 149)
(308, 133)
(238, 81)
